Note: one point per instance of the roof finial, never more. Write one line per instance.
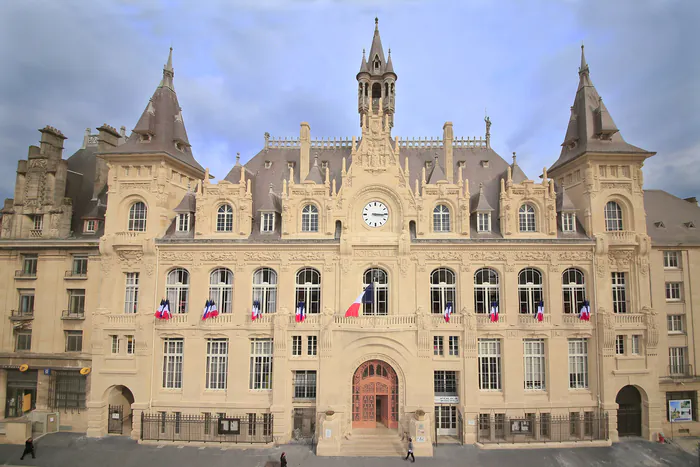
(514, 161)
(376, 22)
(316, 159)
(271, 191)
(169, 65)
(168, 72)
(238, 158)
(389, 50)
(584, 65)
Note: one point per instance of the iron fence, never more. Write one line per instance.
(542, 428)
(223, 428)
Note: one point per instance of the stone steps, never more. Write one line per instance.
(367, 444)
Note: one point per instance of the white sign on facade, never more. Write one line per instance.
(447, 399)
(420, 439)
(680, 410)
(471, 422)
(328, 433)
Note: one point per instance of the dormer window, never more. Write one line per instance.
(377, 64)
(485, 164)
(183, 222)
(483, 222)
(179, 146)
(324, 165)
(659, 225)
(568, 221)
(145, 138)
(267, 222)
(268, 164)
(290, 164)
(428, 165)
(690, 225)
(91, 226)
(462, 164)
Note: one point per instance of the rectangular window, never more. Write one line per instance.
(115, 344)
(69, 390)
(619, 291)
(673, 291)
(483, 222)
(183, 222)
(131, 292)
(305, 384)
(568, 221)
(490, 364)
(74, 341)
(173, 356)
(217, 363)
(675, 324)
(130, 345)
(178, 419)
(671, 259)
(91, 226)
(445, 383)
(677, 358)
(534, 364)
(691, 396)
(76, 301)
(296, 346)
(261, 364)
(38, 222)
(24, 341)
(312, 345)
(578, 363)
(26, 302)
(438, 345)
(80, 266)
(619, 344)
(634, 344)
(29, 265)
(267, 222)
(454, 346)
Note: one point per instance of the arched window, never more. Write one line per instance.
(221, 289)
(137, 217)
(441, 218)
(380, 286)
(224, 218)
(442, 290)
(613, 216)
(486, 289)
(177, 290)
(529, 289)
(572, 284)
(308, 289)
(265, 289)
(526, 215)
(309, 218)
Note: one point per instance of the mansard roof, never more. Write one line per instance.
(675, 214)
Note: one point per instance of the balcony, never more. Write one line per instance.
(679, 373)
(177, 319)
(374, 322)
(483, 321)
(626, 320)
(439, 320)
(73, 314)
(71, 275)
(527, 319)
(622, 237)
(127, 320)
(572, 319)
(21, 315)
(25, 275)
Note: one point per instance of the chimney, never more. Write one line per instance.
(51, 142)
(107, 139)
(448, 137)
(692, 200)
(305, 144)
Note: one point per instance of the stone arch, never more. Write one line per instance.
(381, 193)
(627, 208)
(631, 416)
(375, 395)
(119, 396)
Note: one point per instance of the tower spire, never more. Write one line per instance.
(168, 72)
(376, 52)
(584, 72)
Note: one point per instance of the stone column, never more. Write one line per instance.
(42, 391)
(3, 392)
(421, 432)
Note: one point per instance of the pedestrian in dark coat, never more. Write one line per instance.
(28, 447)
(283, 460)
(410, 450)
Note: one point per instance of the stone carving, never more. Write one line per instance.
(176, 256)
(218, 256)
(306, 256)
(620, 258)
(570, 256)
(150, 269)
(129, 258)
(443, 256)
(617, 186)
(487, 256)
(469, 319)
(404, 264)
(135, 186)
(532, 256)
(37, 163)
(261, 257)
(345, 265)
(374, 253)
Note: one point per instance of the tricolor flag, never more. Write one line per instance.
(301, 313)
(256, 310)
(585, 314)
(494, 311)
(159, 311)
(165, 314)
(210, 310)
(448, 312)
(365, 297)
(540, 310)
(213, 311)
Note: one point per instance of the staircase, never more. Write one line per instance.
(369, 442)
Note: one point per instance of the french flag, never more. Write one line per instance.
(301, 313)
(208, 310)
(540, 310)
(448, 312)
(166, 314)
(213, 311)
(159, 311)
(256, 310)
(494, 312)
(365, 297)
(585, 314)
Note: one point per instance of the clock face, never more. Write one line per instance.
(375, 214)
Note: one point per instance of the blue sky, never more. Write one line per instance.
(246, 67)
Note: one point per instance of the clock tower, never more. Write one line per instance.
(376, 81)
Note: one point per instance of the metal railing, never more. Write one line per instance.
(75, 275)
(73, 314)
(21, 314)
(243, 428)
(22, 274)
(542, 428)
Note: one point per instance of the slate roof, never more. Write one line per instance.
(79, 187)
(676, 214)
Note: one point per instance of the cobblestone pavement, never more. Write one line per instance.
(74, 450)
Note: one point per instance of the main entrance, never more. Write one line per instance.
(629, 415)
(375, 396)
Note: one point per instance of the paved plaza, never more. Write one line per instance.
(74, 450)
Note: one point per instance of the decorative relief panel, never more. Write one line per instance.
(176, 256)
(129, 258)
(620, 258)
(374, 253)
(260, 256)
(570, 256)
(306, 256)
(219, 256)
(617, 186)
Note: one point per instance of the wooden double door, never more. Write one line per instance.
(375, 396)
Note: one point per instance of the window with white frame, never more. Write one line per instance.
(265, 289)
(529, 290)
(677, 360)
(613, 217)
(217, 363)
(489, 364)
(441, 218)
(177, 289)
(673, 291)
(79, 268)
(445, 383)
(380, 288)
(619, 344)
(438, 345)
(574, 290)
(305, 384)
(91, 226)
(634, 344)
(671, 259)
(619, 291)
(296, 346)
(308, 290)
(267, 222)
(442, 290)
(221, 289)
(130, 345)
(261, 364)
(38, 220)
(76, 301)
(137, 217)
(309, 218)
(173, 356)
(578, 363)
(483, 222)
(675, 323)
(486, 289)
(224, 218)
(568, 221)
(454, 346)
(526, 217)
(131, 292)
(115, 344)
(183, 222)
(533, 351)
(312, 346)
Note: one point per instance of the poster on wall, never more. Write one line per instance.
(680, 410)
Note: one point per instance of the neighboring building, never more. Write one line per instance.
(424, 226)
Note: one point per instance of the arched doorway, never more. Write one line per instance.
(629, 413)
(119, 401)
(375, 396)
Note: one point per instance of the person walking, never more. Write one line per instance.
(28, 447)
(283, 460)
(410, 450)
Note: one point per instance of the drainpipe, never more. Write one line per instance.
(599, 348)
(689, 303)
(153, 337)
